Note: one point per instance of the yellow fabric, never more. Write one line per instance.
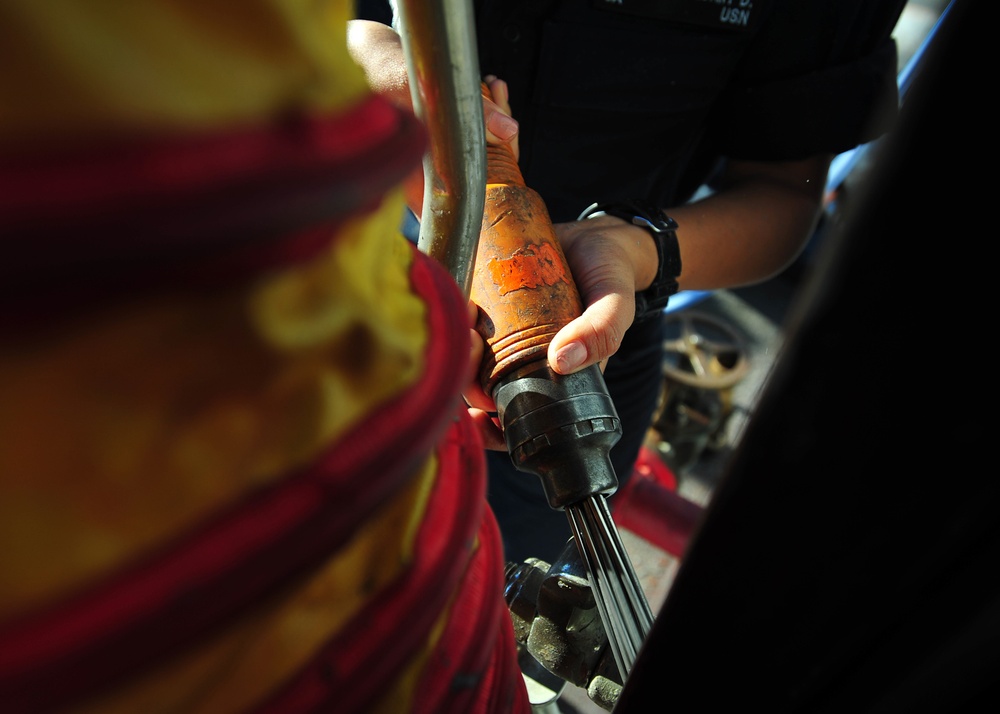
(248, 661)
(97, 68)
(120, 432)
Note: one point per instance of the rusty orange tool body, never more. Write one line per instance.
(523, 284)
(558, 427)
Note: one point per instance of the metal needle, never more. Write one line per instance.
(620, 600)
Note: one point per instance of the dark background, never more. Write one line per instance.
(848, 560)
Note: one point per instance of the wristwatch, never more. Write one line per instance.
(650, 302)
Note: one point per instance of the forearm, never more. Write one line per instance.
(753, 227)
(378, 50)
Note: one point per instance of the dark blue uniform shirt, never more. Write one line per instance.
(636, 98)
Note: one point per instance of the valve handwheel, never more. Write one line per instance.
(702, 351)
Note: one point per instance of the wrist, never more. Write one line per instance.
(646, 256)
(652, 299)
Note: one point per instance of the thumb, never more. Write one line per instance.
(594, 336)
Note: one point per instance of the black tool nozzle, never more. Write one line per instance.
(560, 428)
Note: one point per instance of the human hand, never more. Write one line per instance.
(482, 410)
(610, 260)
(501, 127)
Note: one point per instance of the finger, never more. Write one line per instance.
(489, 429)
(593, 337)
(473, 392)
(501, 127)
(499, 92)
(481, 407)
(604, 276)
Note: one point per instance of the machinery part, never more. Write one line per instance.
(702, 351)
(446, 97)
(567, 442)
(620, 600)
(522, 283)
(559, 427)
(689, 422)
(557, 622)
(703, 360)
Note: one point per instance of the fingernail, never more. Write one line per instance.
(502, 126)
(570, 357)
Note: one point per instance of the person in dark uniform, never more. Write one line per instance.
(618, 100)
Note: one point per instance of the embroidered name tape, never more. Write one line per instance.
(735, 15)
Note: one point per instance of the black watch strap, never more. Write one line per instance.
(653, 300)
